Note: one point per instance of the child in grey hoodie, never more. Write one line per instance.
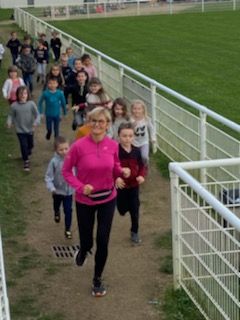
(61, 191)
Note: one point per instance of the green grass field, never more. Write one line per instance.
(195, 54)
(5, 14)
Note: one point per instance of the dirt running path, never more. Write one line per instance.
(132, 273)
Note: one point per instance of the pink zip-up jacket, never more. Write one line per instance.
(96, 164)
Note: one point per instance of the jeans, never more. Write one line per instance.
(26, 144)
(59, 199)
(14, 58)
(27, 78)
(56, 52)
(128, 201)
(52, 121)
(86, 219)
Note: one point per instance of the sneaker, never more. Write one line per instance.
(26, 165)
(57, 217)
(48, 135)
(98, 289)
(135, 238)
(80, 257)
(68, 234)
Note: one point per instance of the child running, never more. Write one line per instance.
(88, 66)
(79, 92)
(128, 188)
(119, 116)
(14, 46)
(54, 101)
(10, 85)
(41, 56)
(143, 129)
(55, 72)
(97, 96)
(24, 116)
(61, 191)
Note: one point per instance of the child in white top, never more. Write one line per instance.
(2, 50)
(10, 85)
(119, 116)
(97, 96)
(143, 129)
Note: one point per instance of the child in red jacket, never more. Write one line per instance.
(128, 188)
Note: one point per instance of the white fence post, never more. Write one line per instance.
(138, 8)
(153, 107)
(203, 143)
(4, 304)
(234, 5)
(99, 66)
(121, 72)
(203, 3)
(88, 13)
(67, 12)
(174, 183)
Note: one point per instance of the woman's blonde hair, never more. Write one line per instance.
(96, 112)
(141, 103)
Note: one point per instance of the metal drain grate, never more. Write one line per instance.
(65, 251)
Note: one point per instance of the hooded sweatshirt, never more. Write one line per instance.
(54, 179)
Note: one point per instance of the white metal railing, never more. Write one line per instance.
(66, 9)
(206, 239)
(4, 306)
(181, 135)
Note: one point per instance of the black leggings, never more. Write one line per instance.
(86, 218)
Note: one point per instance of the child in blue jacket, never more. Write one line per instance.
(54, 101)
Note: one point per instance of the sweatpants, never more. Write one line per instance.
(59, 199)
(26, 144)
(128, 201)
(86, 218)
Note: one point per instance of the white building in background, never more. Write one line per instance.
(37, 3)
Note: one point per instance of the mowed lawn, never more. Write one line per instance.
(197, 55)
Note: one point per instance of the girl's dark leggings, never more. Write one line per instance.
(86, 217)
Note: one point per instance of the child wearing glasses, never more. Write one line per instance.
(143, 129)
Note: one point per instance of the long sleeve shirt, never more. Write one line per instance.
(54, 178)
(96, 164)
(23, 116)
(143, 132)
(54, 102)
(133, 161)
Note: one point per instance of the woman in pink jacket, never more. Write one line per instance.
(96, 162)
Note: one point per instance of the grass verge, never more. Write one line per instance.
(191, 53)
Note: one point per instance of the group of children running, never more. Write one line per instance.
(73, 81)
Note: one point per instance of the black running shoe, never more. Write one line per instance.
(26, 165)
(98, 289)
(48, 135)
(80, 257)
(57, 217)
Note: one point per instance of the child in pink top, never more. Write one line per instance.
(88, 66)
(10, 85)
